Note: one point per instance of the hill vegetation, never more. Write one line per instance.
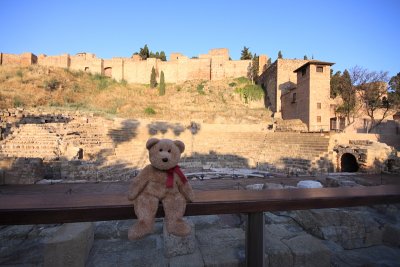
(231, 100)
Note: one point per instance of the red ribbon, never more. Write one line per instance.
(170, 176)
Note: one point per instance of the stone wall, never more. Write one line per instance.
(60, 61)
(215, 65)
(76, 147)
(25, 59)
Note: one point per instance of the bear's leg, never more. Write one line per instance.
(174, 208)
(145, 210)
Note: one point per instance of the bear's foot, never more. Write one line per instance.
(139, 230)
(178, 227)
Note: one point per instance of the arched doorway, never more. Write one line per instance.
(348, 163)
(108, 72)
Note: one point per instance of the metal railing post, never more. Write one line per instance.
(255, 245)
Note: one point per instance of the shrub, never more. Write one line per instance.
(20, 74)
(242, 80)
(123, 82)
(52, 84)
(250, 92)
(162, 84)
(232, 84)
(149, 111)
(200, 88)
(103, 82)
(153, 81)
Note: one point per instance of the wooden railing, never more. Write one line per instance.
(63, 203)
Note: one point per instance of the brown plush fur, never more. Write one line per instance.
(149, 187)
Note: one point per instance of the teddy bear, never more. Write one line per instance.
(161, 180)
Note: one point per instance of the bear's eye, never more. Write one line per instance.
(169, 150)
(160, 149)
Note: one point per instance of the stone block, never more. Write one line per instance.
(176, 245)
(308, 251)
(391, 235)
(190, 260)
(309, 184)
(69, 246)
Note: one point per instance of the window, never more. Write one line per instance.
(320, 69)
(318, 105)
(303, 71)
(318, 118)
(294, 98)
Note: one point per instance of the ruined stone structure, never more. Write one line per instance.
(299, 89)
(215, 65)
(76, 147)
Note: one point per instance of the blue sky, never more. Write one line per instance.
(347, 32)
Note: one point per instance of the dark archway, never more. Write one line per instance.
(348, 163)
(108, 72)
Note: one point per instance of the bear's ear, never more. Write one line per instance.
(151, 142)
(180, 145)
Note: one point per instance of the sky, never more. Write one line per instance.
(347, 32)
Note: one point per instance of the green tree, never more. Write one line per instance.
(280, 54)
(245, 54)
(335, 84)
(346, 90)
(144, 52)
(372, 90)
(394, 90)
(162, 56)
(305, 57)
(269, 62)
(255, 64)
(162, 84)
(153, 81)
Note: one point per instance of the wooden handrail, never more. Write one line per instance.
(65, 203)
(37, 204)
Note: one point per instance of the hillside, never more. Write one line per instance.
(65, 90)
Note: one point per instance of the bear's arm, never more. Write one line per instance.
(138, 183)
(187, 191)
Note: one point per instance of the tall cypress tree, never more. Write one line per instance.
(153, 81)
(280, 54)
(161, 89)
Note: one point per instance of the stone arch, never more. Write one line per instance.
(87, 69)
(348, 163)
(108, 72)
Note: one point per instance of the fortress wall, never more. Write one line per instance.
(139, 71)
(286, 78)
(88, 63)
(194, 69)
(117, 68)
(61, 61)
(25, 59)
(236, 68)
(218, 67)
(268, 80)
(170, 69)
(221, 52)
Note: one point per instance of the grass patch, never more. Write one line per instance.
(149, 111)
(242, 80)
(200, 88)
(102, 82)
(18, 102)
(250, 92)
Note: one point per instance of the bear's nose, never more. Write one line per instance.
(165, 159)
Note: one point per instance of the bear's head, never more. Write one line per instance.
(164, 154)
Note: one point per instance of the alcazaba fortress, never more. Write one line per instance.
(64, 146)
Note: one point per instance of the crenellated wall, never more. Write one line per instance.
(215, 65)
